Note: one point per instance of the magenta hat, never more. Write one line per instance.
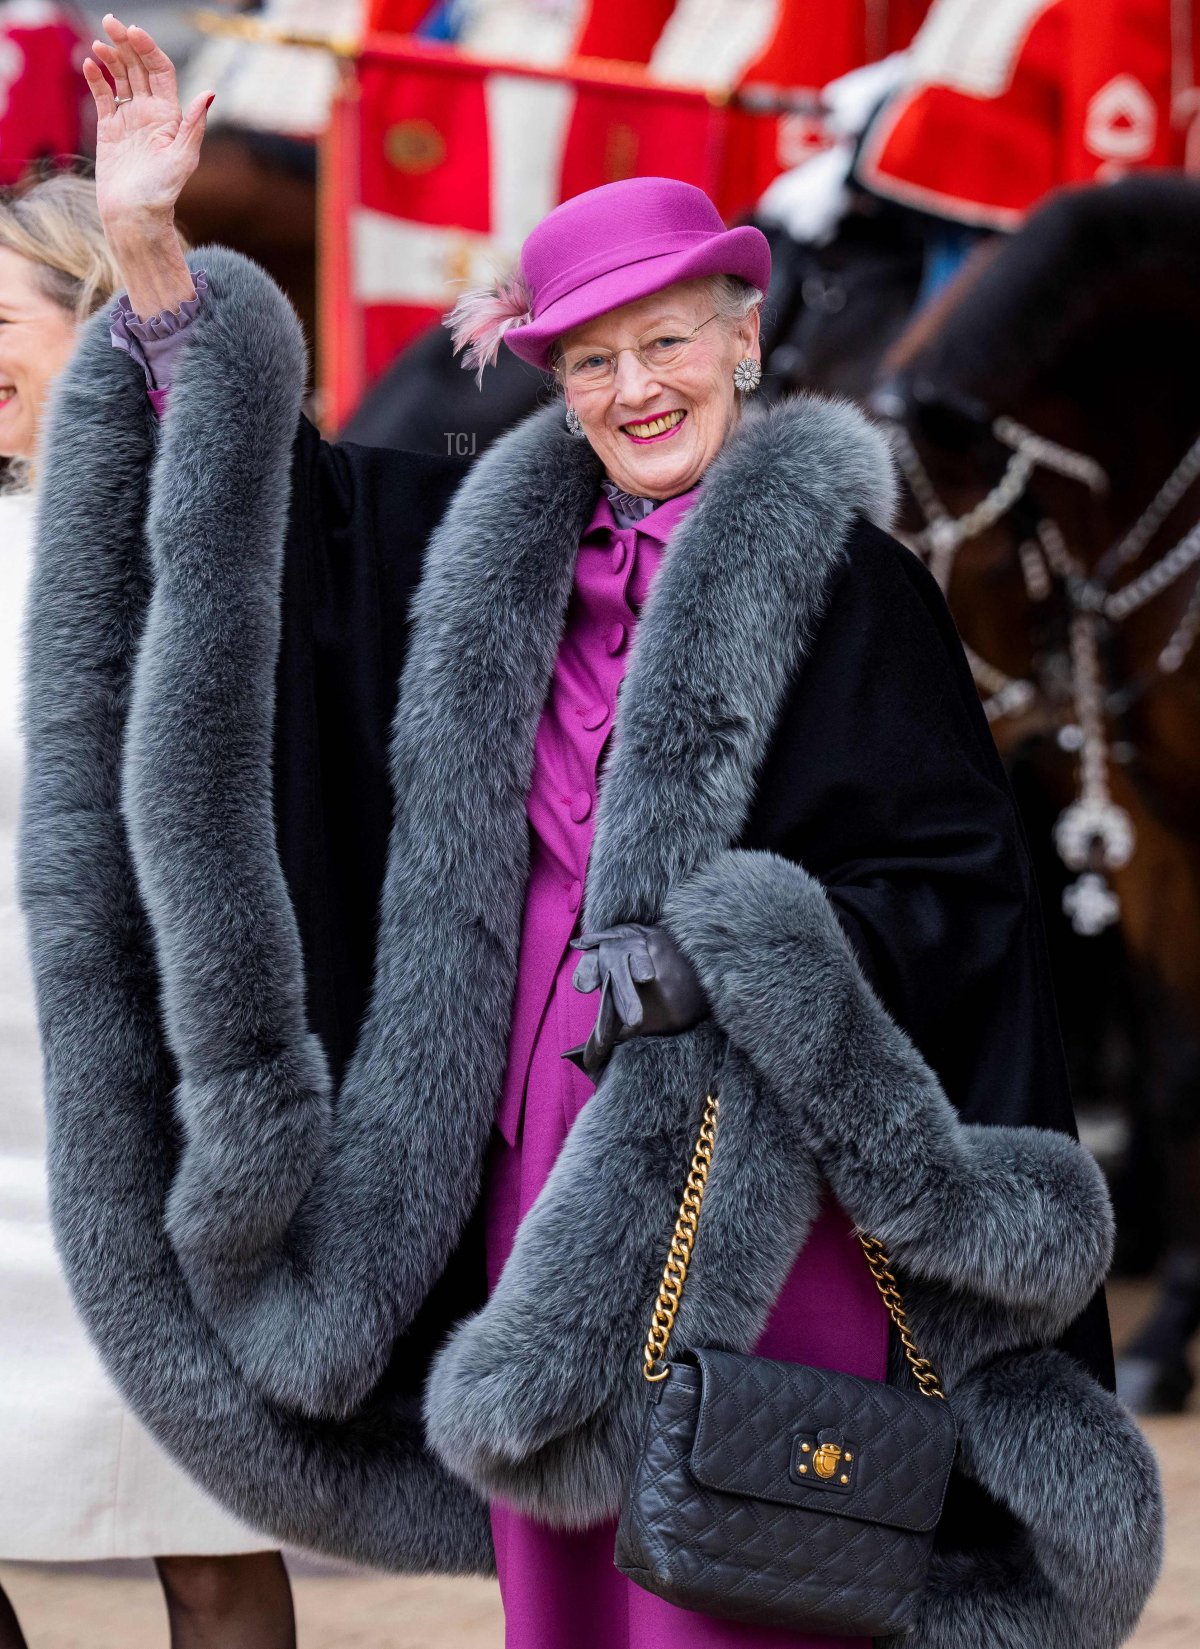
(598, 250)
(620, 242)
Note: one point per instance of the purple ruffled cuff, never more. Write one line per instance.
(155, 341)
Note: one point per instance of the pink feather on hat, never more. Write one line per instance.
(482, 316)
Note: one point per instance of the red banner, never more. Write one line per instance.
(618, 133)
(439, 163)
(437, 166)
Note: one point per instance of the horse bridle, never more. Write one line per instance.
(1093, 835)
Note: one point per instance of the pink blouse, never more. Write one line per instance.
(613, 573)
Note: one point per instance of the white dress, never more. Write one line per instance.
(80, 1480)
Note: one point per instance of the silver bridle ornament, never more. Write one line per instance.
(1094, 834)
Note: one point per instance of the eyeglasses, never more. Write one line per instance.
(596, 368)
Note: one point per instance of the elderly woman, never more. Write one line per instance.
(365, 1172)
(80, 1479)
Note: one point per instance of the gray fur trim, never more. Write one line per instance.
(310, 1289)
(538, 1396)
(1016, 1216)
(254, 1098)
(366, 1489)
(747, 579)
(1071, 1465)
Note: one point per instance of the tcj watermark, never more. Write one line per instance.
(460, 443)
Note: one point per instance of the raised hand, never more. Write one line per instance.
(146, 149)
(147, 146)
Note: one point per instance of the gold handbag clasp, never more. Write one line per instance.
(825, 1459)
(827, 1456)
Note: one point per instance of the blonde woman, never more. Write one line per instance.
(79, 1477)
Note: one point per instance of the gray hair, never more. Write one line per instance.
(734, 297)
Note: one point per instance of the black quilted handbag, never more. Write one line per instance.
(778, 1494)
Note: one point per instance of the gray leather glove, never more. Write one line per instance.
(647, 988)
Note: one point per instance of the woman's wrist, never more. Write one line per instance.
(152, 264)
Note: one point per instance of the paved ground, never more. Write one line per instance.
(80, 1609)
(122, 1609)
(87, 1610)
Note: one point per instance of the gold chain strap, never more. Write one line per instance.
(683, 1241)
(670, 1290)
(889, 1292)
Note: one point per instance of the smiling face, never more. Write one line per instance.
(657, 429)
(36, 339)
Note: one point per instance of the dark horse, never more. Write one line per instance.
(1047, 415)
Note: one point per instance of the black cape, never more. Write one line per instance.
(895, 813)
(204, 884)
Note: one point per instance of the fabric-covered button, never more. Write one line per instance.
(581, 806)
(615, 640)
(620, 555)
(594, 716)
(574, 895)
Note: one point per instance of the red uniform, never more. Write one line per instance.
(1011, 98)
(42, 89)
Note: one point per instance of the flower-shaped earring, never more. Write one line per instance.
(575, 424)
(747, 375)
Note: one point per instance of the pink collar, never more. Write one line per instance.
(659, 524)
